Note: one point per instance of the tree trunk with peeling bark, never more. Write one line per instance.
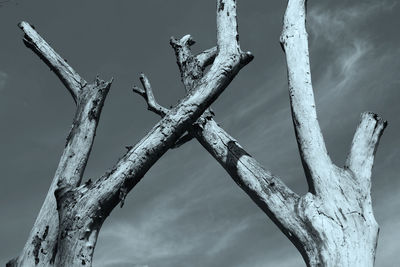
(333, 224)
(66, 229)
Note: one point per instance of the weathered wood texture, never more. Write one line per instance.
(40, 248)
(66, 230)
(338, 225)
(331, 225)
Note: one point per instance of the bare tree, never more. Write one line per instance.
(333, 224)
(66, 229)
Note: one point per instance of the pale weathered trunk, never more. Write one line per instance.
(66, 230)
(339, 228)
(41, 246)
(338, 225)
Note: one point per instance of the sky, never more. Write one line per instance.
(187, 211)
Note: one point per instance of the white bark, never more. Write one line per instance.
(66, 236)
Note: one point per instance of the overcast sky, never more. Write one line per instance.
(187, 211)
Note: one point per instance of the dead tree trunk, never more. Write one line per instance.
(333, 224)
(66, 229)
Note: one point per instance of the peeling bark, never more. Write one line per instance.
(89, 99)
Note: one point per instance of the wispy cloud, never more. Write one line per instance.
(345, 72)
(331, 23)
(345, 56)
(341, 47)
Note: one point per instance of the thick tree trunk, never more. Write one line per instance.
(340, 230)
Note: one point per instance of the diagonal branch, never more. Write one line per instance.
(314, 156)
(268, 191)
(365, 142)
(69, 77)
